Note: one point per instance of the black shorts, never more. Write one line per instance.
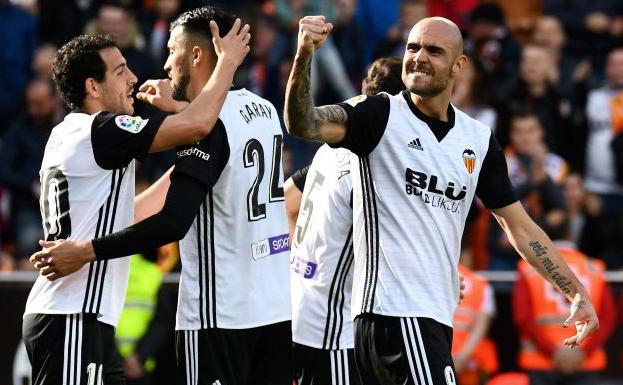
(71, 349)
(396, 350)
(261, 356)
(328, 367)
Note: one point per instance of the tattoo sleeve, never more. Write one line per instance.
(551, 269)
(304, 120)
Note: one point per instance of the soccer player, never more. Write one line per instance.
(226, 201)
(322, 254)
(421, 161)
(87, 190)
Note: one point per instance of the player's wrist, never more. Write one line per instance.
(88, 252)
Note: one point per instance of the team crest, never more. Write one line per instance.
(131, 124)
(469, 159)
(356, 100)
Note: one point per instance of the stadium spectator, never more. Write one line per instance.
(20, 159)
(328, 67)
(61, 20)
(411, 11)
(475, 355)
(115, 20)
(156, 30)
(536, 175)
(456, 10)
(538, 312)
(489, 41)
(470, 94)
(567, 72)
(533, 89)
(42, 61)
(262, 67)
(18, 40)
(349, 40)
(594, 26)
(377, 17)
(604, 119)
(521, 17)
(578, 205)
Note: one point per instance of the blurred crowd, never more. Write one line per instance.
(545, 75)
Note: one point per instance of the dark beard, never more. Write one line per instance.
(179, 89)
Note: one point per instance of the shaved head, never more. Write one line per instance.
(433, 57)
(443, 28)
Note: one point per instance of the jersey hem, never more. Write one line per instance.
(319, 346)
(235, 327)
(99, 318)
(437, 318)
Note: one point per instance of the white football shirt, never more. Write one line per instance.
(322, 254)
(412, 190)
(87, 191)
(235, 255)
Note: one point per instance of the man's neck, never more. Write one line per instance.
(436, 106)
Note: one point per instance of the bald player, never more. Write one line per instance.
(421, 162)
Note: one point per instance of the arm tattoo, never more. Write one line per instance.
(302, 119)
(547, 265)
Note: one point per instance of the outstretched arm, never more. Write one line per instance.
(302, 119)
(537, 249)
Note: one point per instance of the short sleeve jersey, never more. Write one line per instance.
(412, 190)
(87, 191)
(321, 261)
(235, 255)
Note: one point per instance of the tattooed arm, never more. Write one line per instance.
(537, 249)
(302, 119)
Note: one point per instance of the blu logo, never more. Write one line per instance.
(421, 181)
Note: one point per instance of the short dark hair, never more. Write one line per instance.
(76, 61)
(384, 75)
(196, 22)
(523, 112)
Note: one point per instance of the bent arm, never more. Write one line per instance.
(326, 124)
(151, 201)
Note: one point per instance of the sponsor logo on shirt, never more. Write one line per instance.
(356, 100)
(270, 246)
(432, 193)
(193, 151)
(469, 159)
(416, 144)
(131, 124)
(304, 267)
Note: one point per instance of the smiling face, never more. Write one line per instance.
(178, 63)
(432, 57)
(118, 85)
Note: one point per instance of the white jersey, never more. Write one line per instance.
(87, 191)
(412, 190)
(235, 255)
(322, 254)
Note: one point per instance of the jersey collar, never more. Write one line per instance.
(439, 128)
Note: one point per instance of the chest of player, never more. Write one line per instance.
(410, 161)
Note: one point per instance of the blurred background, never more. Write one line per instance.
(545, 75)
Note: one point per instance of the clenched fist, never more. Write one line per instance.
(313, 31)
